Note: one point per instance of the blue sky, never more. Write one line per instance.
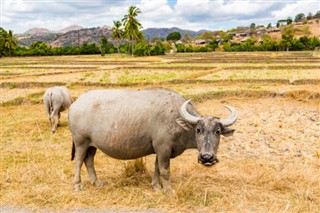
(21, 15)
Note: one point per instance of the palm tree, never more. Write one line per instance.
(10, 41)
(117, 33)
(3, 36)
(132, 25)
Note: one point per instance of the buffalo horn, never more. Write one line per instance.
(232, 119)
(186, 115)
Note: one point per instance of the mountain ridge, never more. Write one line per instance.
(75, 35)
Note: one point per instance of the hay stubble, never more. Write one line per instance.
(270, 165)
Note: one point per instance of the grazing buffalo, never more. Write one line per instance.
(56, 100)
(129, 124)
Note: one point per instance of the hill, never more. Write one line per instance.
(70, 28)
(34, 31)
(76, 37)
(163, 32)
(70, 36)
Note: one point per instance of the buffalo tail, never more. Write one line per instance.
(73, 151)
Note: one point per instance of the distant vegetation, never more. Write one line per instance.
(126, 37)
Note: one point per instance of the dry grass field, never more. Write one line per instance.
(271, 164)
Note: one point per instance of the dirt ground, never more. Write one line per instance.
(271, 164)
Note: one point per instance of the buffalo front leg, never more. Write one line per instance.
(164, 169)
(80, 153)
(156, 177)
(89, 162)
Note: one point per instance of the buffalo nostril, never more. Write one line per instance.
(207, 156)
(215, 161)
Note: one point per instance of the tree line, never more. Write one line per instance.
(128, 39)
(300, 17)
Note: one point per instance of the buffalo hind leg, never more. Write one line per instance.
(80, 153)
(54, 120)
(51, 122)
(89, 162)
(59, 116)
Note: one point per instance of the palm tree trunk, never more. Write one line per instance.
(118, 44)
(131, 47)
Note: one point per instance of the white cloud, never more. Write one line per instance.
(21, 15)
(301, 6)
(54, 15)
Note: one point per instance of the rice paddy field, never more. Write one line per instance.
(271, 164)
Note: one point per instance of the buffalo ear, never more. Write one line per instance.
(184, 124)
(227, 132)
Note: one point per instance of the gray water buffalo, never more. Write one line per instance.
(129, 124)
(56, 100)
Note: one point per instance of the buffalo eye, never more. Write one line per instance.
(198, 130)
(218, 132)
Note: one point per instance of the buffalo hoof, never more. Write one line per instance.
(169, 192)
(78, 187)
(99, 183)
(157, 188)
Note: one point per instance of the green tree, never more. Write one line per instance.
(289, 20)
(157, 49)
(212, 45)
(173, 36)
(299, 17)
(103, 45)
(142, 49)
(186, 40)
(252, 28)
(132, 26)
(11, 42)
(268, 44)
(206, 36)
(39, 48)
(309, 16)
(317, 15)
(117, 33)
(86, 49)
(3, 35)
(282, 22)
(287, 37)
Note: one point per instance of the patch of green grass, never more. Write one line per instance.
(215, 76)
(136, 77)
(254, 87)
(34, 98)
(12, 86)
(14, 102)
(105, 78)
(89, 74)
